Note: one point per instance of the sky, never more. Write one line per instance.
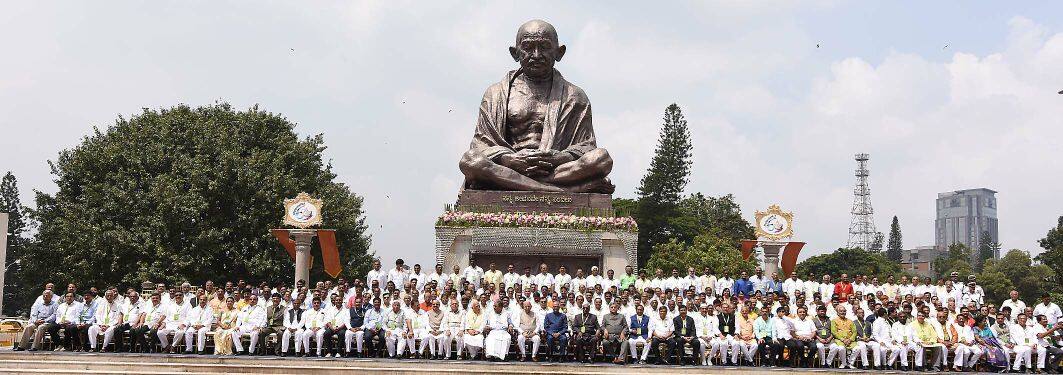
(779, 95)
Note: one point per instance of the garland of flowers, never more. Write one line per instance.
(535, 220)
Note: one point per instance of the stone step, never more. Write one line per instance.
(158, 364)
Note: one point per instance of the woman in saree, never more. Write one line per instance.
(223, 341)
(991, 346)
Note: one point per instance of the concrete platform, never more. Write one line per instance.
(94, 363)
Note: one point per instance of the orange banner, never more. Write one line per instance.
(747, 248)
(330, 254)
(789, 257)
(286, 242)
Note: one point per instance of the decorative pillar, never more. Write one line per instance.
(772, 250)
(303, 239)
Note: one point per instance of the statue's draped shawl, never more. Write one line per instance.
(567, 126)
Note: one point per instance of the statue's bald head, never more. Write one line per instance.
(536, 29)
(537, 49)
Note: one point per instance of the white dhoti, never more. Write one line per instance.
(473, 343)
(497, 344)
(201, 338)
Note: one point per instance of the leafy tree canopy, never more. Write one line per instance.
(849, 261)
(187, 194)
(718, 254)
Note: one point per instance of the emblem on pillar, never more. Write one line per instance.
(301, 214)
(772, 227)
(302, 211)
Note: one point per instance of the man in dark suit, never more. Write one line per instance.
(685, 333)
(585, 329)
(274, 324)
(555, 324)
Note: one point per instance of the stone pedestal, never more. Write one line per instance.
(772, 250)
(529, 246)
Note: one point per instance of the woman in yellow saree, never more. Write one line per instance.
(223, 342)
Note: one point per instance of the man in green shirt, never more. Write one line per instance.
(628, 279)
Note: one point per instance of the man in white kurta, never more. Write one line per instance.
(473, 334)
(496, 344)
(174, 323)
(249, 322)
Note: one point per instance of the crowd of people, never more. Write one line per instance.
(694, 318)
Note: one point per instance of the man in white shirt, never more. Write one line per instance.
(198, 322)
(174, 322)
(1017, 306)
(511, 277)
(708, 332)
(313, 326)
(248, 322)
(339, 321)
(376, 276)
(473, 274)
(544, 278)
(1024, 341)
(791, 285)
(496, 343)
(661, 328)
(1049, 309)
(108, 315)
(399, 275)
(563, 278)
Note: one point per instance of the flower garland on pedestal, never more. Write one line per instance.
(536, 220)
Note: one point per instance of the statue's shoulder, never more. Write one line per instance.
(575, 93)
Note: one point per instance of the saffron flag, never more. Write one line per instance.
(747, 248)
(286, 242)
(789, 257)
(330, 254)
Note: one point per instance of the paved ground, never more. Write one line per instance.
(93, 363)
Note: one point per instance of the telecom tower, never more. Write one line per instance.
(862, 231)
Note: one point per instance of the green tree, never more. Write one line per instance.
(895, 247)
(718, 216)
(625, 207)
(1028, 279)
(188, 194)
(1053, 254)
(987, 249)
(660, 189)
(16, 243)
(995, 283)
(849, 261)
(720, 255)
(956, 259)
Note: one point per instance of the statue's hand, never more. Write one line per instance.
(515, 161)
(549, 159)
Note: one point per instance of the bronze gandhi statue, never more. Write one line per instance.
(534, 130)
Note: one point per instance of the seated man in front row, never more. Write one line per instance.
(534, 130)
